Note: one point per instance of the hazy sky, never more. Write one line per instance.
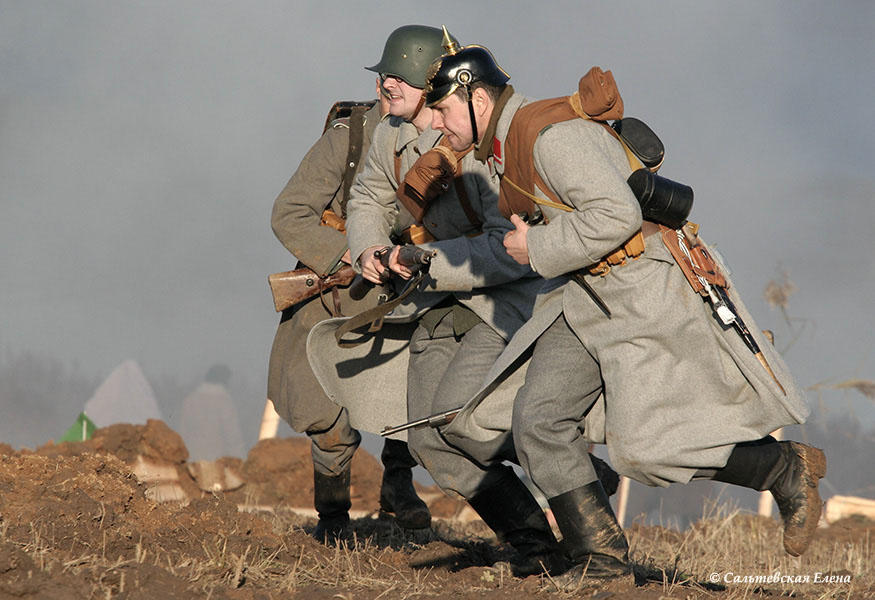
(142, 145)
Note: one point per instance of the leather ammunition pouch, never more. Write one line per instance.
(333, 220)
(631, 250)
(642, 141)
(662, 200)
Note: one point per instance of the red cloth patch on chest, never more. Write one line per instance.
(496, 150)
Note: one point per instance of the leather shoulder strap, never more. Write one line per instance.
(520, 176)
(354, 153)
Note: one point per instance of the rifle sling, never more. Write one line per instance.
(335, 298)
(375, 315)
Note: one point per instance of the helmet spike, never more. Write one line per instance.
(449, 44)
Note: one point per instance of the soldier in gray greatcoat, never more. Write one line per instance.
(473, 299)
(320, 184)
(683, 396)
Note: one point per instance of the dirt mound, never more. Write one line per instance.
(81, 520)
(279, 472)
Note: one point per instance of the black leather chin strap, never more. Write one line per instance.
(471, 114)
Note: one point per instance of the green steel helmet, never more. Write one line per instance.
(462, 68)
(409, 51)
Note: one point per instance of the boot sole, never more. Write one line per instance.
(419, 522)
(797, 537)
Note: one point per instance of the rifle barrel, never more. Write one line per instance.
(432, 421)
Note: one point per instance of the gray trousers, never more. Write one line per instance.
(563, 381)
(333, 448)
(444, 372)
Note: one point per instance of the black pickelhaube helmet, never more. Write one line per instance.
(409, 51)
(461, 67)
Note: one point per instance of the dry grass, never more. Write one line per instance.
(383, 561)
(744, 550)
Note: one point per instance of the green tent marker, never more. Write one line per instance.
(81, 429)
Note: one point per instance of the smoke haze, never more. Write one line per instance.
(142, 146)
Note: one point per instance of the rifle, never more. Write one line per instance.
(291, 287)
(410, 256)
(433, 421)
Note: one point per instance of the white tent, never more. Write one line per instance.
(124, 397)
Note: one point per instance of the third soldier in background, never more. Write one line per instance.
(308, 218)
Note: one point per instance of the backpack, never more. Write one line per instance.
(598, 100)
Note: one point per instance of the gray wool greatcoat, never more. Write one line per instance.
(370, 380)
(679, 390)
(296, 222)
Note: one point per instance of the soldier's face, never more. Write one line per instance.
(403, 97)
(450, 116)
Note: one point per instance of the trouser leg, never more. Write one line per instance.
(444, 372)
(333, 448)
(562, 383)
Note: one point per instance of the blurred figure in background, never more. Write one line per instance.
(208, 420)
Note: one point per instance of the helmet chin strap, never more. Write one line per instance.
(419, 106)
(471, 114)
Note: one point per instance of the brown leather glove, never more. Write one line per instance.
(429, 177)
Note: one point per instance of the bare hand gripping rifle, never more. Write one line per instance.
(415, 258)
(412, 257)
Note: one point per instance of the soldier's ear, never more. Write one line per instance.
(481, 100)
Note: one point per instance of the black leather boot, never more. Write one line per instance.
(609, 478)
(511, 511)
(791, 472)
(332, 502)
(397, 494)
(591, 536)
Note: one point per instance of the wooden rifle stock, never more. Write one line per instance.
(291, 287)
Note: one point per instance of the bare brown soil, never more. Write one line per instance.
(76, 522)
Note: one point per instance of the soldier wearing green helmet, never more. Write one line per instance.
(408, 52)
(471, 302)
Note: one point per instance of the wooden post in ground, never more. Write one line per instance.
(622, 499)
(270, 422)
